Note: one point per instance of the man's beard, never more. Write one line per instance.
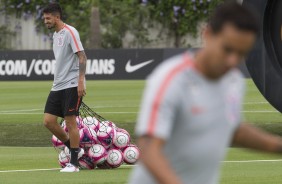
(50, 26)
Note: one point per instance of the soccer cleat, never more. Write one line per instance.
(70, 168)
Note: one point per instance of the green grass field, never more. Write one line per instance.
(25, 143)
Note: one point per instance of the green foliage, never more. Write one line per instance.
(75, 13)
(119, 17)
(5, 35)
(181, 17)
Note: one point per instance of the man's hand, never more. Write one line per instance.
(80, 89)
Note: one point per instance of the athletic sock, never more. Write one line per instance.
(74, 156)
(67, 143)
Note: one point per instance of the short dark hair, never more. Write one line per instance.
(53, 8)
(234, 13)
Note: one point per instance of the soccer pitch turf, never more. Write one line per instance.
(21, 106)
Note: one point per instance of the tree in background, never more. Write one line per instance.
(77, 12)
(181, 17)
(122, 16)
(104, 23)
(5, 35)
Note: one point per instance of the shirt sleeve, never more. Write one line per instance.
(242, 89)
(158, 109)
(74, 41)
(239, 86)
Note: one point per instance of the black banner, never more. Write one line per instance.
(101, 64)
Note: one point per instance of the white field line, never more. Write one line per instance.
(113, 106)
(251, 161)
(97, 107)
(21, 110)
(126, 166)
(254, 103)
(26, 113)
(29, 170)
(258, 111)
(51, 169)
(32, 113)
(102, 107)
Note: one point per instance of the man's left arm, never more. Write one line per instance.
(82, 68)
(249, 136)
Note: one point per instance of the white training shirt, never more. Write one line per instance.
(66, 43)
(196, 117)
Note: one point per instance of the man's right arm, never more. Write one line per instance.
(248, 136)
(155, 161)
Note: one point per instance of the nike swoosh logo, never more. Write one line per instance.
(132, 68)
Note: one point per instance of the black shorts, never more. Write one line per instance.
(63, 103)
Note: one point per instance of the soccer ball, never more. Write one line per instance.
(57, 143)
(68, 153)
(97, 153)
(79, 123)
(63, 159)
(64, 126)
(85, 162)
(106, 135)
(91, 122)
(104, 165)
(131, 154)
(88, 137)
(108, 123)
(123, 131)
(114, 158)
(121, 140)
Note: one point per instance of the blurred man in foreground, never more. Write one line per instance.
(191, 106)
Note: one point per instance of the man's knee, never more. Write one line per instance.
(71, 122)
(49, 120)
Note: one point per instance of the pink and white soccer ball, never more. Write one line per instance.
(104, 165)
(91, 122)
(88, 137)
(63, 159)
(121, 140)
(79, 123)
(85, 162)
(64, 126)
(131, 154)
(114, 158)
(68, 153)
(97, 153)
(57, 143)
(106, 135)
(108, 123)
(122, 130)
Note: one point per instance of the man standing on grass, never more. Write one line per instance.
(191, 106)
(69, 83)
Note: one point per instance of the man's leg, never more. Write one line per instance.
(50, 122)
(70, 111)
(74, 138)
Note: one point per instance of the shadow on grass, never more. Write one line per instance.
(35, 134)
